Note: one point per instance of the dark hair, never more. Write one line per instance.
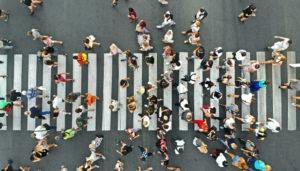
(210, 63)
(167, 15)
(87, 40)
(49, 102)
(142, 23)
(130, 9)
(277, 128)
(243, 53)
(123, 82)
(290, 41)
(225, 163)
(78, 110)
(32, 157)
(75, 57)
(213, 110)
(149, 60)
(267, 82)
(220, 50)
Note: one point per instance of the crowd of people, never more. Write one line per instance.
(243, 153)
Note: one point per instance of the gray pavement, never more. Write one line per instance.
(72, 20)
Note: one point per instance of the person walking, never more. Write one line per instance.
(273, 125)
(255, 85)
(32, 4)
(132, 15)
(48, 41)
(90, 42)
(280, 45)
(4, 15)
(62, 78)
(35, 112)
(295, 98)
(168, 37)
(145, 153)
(35, 33)
(247, 12)
(293, 84)
(124, 149)
(218, 155)
(168, 20)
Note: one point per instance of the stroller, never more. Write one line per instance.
(6, 44)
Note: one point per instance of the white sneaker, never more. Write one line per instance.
(294, 104)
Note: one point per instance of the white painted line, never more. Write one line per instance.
(77, 74)
(168, 91)
(214, 75)
(276, 93)
(292, 120)
(47, 84)
(17, 86)
(153, 79)
(230, 89)
(3, 71)
(107, 89)
(183, 125)
(245, 108)
(262, 93)
(92, 88)
(122, 94)
(138, 82)
(198, 93)
(32, 74)
(61, 91)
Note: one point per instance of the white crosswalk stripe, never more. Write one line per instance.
(17, 87)
(108, 117)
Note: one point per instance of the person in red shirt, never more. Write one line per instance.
(202, 124)
(132, 14)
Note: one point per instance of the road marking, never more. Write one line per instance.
(77, 74)
(153, 78)
(18, 87)
(168, 91)
(276, 93)
(107, 89)
(32, 74)
(214, 75)
(138, 82)
(3, 71)
(47, 85)
(292, 120)
(61, 92)
(198, 94)
(230, 89)
(262, 93)
(92, 88)
(245, 108)
(122, 94)
(183, 125)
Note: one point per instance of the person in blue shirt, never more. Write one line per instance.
(145, 153)
(258, 84)
(35, 112)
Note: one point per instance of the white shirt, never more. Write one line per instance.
(281, 45)
(181, 88)
(219, 54)
(183, 103)
(228, 123)
(272, 124)
(239, 56)
(40, 132)
(248, 119)
(168, 37)
(115, 105)
(247, 98)
(220, 159)
(180, 142)
(57, 101)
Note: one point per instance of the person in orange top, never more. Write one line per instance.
(202, 124)
(81, 58)
(90, 99)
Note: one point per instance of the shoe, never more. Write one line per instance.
(293, 104)
(183, 32)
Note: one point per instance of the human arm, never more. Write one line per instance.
(280, 37)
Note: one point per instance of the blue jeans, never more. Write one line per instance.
(45, 113)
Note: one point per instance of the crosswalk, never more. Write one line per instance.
(103, 119)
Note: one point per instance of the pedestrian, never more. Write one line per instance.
(141, 27)
(6, 44)
(131, 104)
(32, 4)
(51, 63)
(119, 166)
(225, 79)
(90, 99)
(163, 2)
(257, 164)
(182, 89)
(114, 3)
(295, 98)
(194, 39)
(41, 150)
(149, 60)
(207, 84)
(168, 52)
(192, 78)
(260, 131)
(9, 167)
(247, 119)
(88, 166)
(145, 153)
(90, 42)
(124, 83)
(200, 15)
(144, 42)
(238, 161)
(132, 133)
(81, 58)
(14, 96)
(258, 84)
(124, 149)
(202, 125)
(216, 95)
(218, 155)
(198, 53)
(68, 133)
(4, 15)
(37, 92)
(35, 112)
(82, 121)
(132, 15)
(201, 146)
(94, 156)
(179, 146)
(168, 37)
(114, 50)
(194, 28)
(249, 148)
(277, 59)
(273, 125)
(62, 78)
(168, 20)
(72, 97)
(229, 143)
(206, 64)
(48, 41)
(114, 105)
(216, 53)
(251, 68)
(293, 84)
(247, 12)
(131, 59)
(280, 45)
(35, 33)
(240, 55)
